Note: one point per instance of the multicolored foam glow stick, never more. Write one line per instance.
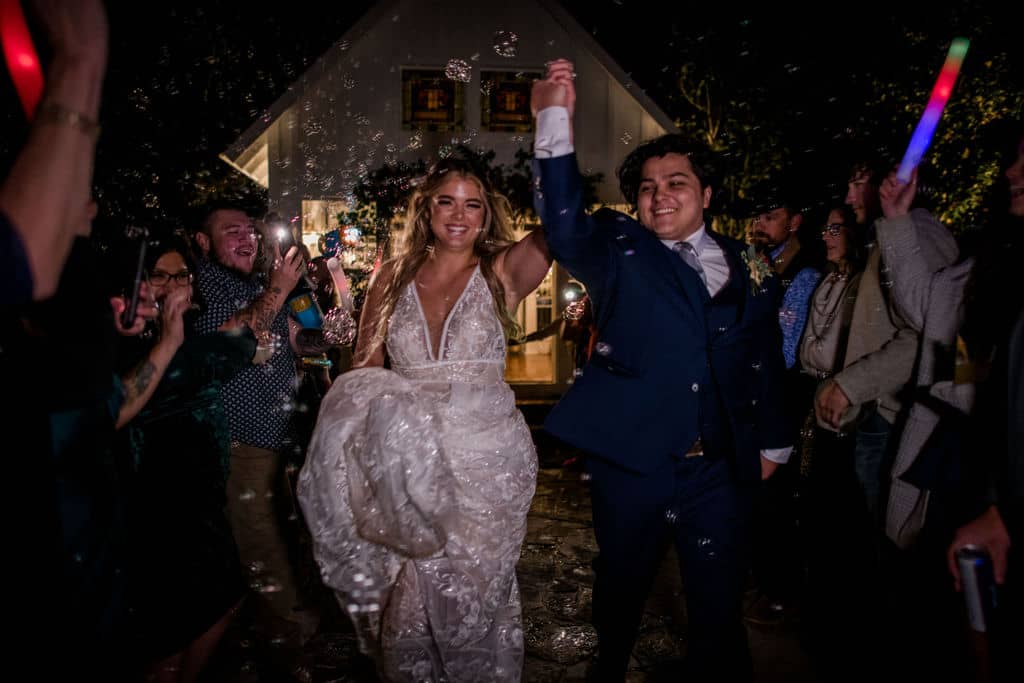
(341, 283)
(21, 57)
(922, 136)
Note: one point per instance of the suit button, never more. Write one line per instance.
(694, 387)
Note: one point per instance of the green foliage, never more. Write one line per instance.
(789, 94)
(961, 165)
(731, 123)
(382, 195)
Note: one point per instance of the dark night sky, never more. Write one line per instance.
(183, 82)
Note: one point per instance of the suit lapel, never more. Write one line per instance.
(683, 277)
(688, 292)
(739, 275)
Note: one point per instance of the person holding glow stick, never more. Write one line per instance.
(67, 499)
(969, 314)
(43, 196)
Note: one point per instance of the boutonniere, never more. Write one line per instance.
(760, 269)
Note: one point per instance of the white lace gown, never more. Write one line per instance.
(416, 487)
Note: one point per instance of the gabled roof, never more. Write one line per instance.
(378, 12)
(279, 107)
(583, 37)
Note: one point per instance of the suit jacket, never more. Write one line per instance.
(880, 349)
(928, 289)
(670, 365)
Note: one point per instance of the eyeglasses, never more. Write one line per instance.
(832, 229)
(160, 278)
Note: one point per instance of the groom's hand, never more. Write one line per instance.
(768, 467)
(557, 89)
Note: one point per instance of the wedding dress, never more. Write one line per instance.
(416, 487)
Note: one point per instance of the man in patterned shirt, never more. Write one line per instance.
(258, 399)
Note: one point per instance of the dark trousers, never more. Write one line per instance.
(779, 558)
(844, 604)
(778, 565)
(693, 502)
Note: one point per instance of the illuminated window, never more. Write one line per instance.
(505, 101)
(431, 101)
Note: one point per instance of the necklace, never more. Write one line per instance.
(827, 308)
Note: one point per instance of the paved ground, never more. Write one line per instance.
(556, 579)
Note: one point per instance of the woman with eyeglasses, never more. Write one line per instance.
(185, 575)
(421, 469)
(828, 321)
(836, 529)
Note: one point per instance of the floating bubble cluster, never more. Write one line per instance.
(339, 327)
(574, 311)
(458, 70)
(505, 43)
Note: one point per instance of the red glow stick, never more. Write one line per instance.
(20, 54)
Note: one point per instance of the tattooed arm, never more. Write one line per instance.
(259, 315)
(141, 381)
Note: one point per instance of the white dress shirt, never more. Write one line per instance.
(552, 138)
(711, 257)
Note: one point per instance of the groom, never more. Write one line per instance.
(680, 404)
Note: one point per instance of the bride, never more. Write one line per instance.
(418, 479)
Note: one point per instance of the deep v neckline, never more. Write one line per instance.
(435, 355)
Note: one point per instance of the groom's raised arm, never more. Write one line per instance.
(573, 238)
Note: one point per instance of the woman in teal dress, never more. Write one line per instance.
(185, 576)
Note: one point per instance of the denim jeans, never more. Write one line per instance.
(868, 455)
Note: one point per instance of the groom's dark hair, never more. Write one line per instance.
(631, 169)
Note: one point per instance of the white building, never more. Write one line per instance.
(381, 95)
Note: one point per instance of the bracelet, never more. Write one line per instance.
(52, 112)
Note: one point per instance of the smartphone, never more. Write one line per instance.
(279, 231)
(285, 238)
(128, 317)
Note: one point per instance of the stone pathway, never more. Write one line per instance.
(555, 579)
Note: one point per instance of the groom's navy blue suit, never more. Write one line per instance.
(672, 365)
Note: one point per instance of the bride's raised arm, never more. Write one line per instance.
(522, 266)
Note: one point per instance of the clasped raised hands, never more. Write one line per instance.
(556, 89)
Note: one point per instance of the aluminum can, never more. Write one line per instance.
(978, 584)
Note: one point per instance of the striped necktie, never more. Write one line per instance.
(689, 256)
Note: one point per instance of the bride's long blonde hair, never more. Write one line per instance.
(416, 240)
